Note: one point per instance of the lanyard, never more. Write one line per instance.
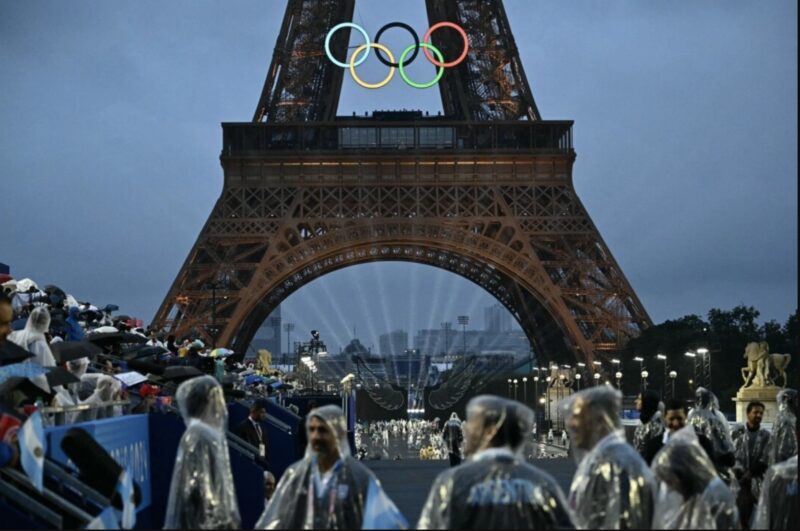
(332, 488)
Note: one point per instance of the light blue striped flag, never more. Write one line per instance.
(32, 445)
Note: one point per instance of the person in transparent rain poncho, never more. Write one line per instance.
(778, 506)
(106, 389)
(751, 443)
(201, 495)
(612, 488)
(710, 421)
(328, 488)
(691, 496)
(495, 488)
(651, 421)
(784, 429)
(453, 435)
(32, 337)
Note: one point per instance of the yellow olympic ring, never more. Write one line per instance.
(358, 80)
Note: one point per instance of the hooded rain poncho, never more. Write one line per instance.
(351, 499)
(652, 422)
(758, 462)
(495, 488)
(452, 434)
(784, 434)
(778, 504)
(709, 421)
(612, 488)
(700, 499)
(201, 494)
(32, 337)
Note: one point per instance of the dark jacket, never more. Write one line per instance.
(248, 433)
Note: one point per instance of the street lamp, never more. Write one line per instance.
(673, 375)
(663, 359)
(705, 359)
(509, 388)
(690, 354)
(515, 388)
(525, 389)
(536, 384)
(596, 378)
(645, 374)
(463, 320)
(578, 380)
(618, 376)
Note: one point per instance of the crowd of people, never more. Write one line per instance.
(684, 469)
(691, 482)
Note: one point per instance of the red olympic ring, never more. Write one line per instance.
(427, 38)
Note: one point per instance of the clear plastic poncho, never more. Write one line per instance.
(107, 388)
(452, 434)
(32, 338)
(351, 499)
(784, 434)
(495, 488)
(651, 422)
(709, 421)
(201, 495)
(702, 500)
(758, 462)
(612, 488)
(778, 504)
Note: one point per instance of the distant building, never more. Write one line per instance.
(268, 336)
(394, 343)
(497, 319)
(436, 343)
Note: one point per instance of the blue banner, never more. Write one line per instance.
(126, 439)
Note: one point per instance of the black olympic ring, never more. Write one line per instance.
(408, 29)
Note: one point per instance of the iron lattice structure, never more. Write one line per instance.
(485, 192)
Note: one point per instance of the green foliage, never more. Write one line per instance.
(725, 333)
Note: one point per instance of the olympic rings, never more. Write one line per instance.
(428, 49)
(358, 80)
(337, 28)
(456, 27)
(416, 48)
(408, 29)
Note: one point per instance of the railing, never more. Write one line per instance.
(57, 415)
(371, 135)
(48, 505)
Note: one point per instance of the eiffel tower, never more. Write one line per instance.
(484, 191)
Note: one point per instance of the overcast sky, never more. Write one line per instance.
(685, 132)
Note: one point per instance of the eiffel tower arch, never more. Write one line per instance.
(485, 192)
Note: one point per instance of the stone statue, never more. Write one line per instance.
(778, 363)
(757, 371)
(264, 361)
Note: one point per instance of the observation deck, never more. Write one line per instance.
(434, 135)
